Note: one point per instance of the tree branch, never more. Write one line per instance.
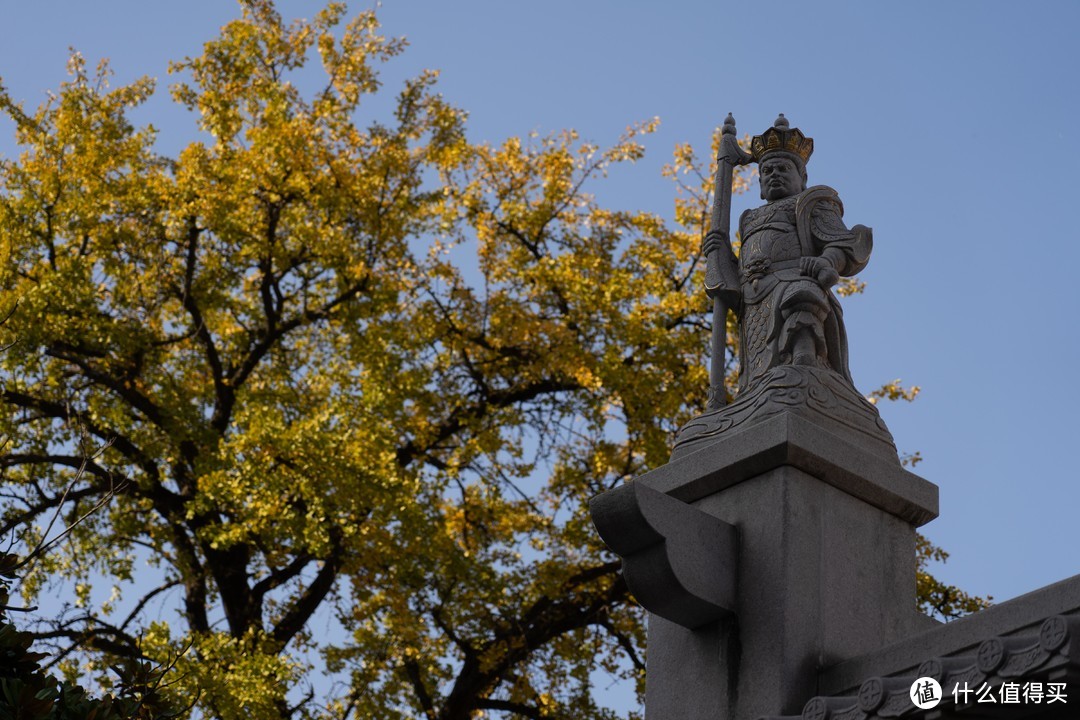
(61, 411)
(545, 620)
(303, 607)
(517, 708)
(124, 390)
(282, 575)
(412, 671)
(457, 420)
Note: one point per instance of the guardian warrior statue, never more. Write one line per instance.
(793, 351)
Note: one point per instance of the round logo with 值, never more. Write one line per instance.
(925, 693)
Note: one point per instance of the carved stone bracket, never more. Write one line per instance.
(677, 560)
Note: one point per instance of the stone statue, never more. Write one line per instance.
(793, 351)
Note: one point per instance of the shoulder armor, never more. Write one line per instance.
(819, 213)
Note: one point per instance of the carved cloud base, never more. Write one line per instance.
(821, 396)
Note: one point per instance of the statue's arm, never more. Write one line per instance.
(720, 239)
(722, 269)
(840, 251)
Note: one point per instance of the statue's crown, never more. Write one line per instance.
(781, 138)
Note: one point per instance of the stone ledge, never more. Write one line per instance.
(788, 439)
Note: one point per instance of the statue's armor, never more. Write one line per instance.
(768, 236)
(779, 302)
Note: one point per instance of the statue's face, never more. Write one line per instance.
(780, 177)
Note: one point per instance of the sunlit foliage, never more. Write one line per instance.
(347, 387)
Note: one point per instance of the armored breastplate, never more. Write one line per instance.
(769, 235)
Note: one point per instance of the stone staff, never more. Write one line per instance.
(722, 267)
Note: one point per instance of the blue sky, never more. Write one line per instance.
(947, 127)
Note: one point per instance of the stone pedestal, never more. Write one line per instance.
(807, 542)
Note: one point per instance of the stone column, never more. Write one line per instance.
(775, 551)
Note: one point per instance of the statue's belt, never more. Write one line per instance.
(760, 267)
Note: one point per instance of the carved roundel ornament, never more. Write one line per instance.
(990, 656)
(815, 710)
(1053, 633)
(871, 695)
(932, 668)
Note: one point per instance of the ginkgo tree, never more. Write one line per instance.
(257, 366)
